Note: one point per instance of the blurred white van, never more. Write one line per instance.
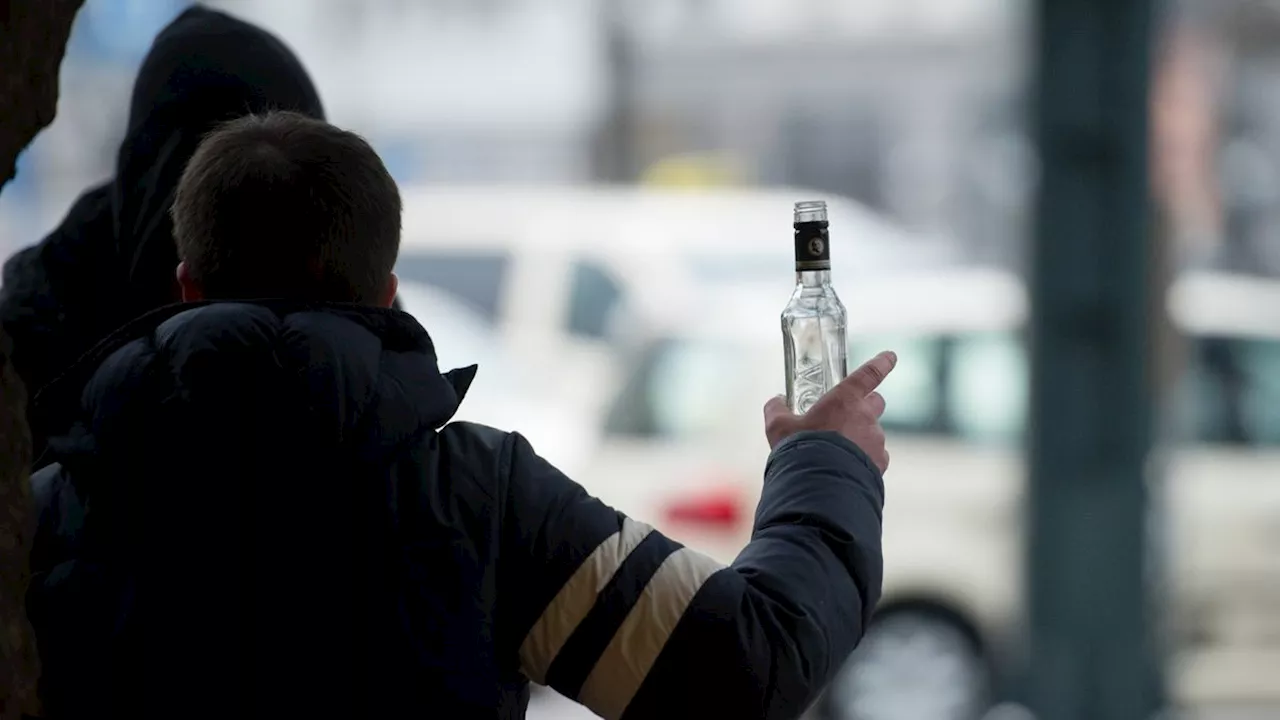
(558, 271)
(504, 394)
(564, 280)
(684, 446)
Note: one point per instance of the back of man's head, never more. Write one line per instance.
(284, 206)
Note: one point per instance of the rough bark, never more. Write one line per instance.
(33, 40)
(19, 663)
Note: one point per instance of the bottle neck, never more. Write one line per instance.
(813, 278)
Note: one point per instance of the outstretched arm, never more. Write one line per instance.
(634, 625)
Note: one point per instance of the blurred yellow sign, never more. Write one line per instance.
(695, 171)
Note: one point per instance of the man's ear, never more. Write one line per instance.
(393, 285)
(191, 290)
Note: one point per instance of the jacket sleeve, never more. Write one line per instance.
(634, 625)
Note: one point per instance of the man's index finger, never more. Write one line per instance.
(868, 377)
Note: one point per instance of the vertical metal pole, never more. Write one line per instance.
(1092, 650)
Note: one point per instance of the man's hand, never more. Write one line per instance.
(852, 408)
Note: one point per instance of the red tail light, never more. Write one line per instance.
(722, 508)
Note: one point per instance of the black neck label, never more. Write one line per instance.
(813, 246)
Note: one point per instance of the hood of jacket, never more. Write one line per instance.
(200, 383)
(204, 68)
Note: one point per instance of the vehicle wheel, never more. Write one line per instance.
(915, 664)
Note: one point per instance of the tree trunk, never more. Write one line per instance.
(33, 40)
(19, 663)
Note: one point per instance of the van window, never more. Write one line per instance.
(913, 392)
(1233, 391)
(989, 387)
(631, 413)
(969, 386)
(679, 389)
(594, 296)
(476, 278)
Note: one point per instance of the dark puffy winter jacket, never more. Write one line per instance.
(263, 510)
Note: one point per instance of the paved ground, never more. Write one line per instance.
(551, 706)
(1236, 714)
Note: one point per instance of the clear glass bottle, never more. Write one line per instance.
(814, 321)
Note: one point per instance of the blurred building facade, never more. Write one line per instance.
(1247, 38)
(911, 107)
(915, 107)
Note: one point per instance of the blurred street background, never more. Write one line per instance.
(597, 210)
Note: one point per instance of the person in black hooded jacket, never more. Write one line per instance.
(112, 258)
(262, 509)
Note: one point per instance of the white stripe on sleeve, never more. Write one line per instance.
(576, 598)
(622, 667)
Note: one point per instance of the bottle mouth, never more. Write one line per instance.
(811, 211)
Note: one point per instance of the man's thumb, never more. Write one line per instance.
(778, 420)
(776, 409)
